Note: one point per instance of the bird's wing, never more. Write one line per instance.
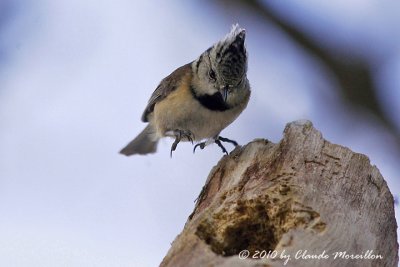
(166, 86)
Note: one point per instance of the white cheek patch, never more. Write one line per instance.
(205, 85)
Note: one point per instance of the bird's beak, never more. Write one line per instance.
(224, 92)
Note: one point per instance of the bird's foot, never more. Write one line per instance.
(218, 141)
(179, 134)
(221, 146)
(202, 145)
(223, 139)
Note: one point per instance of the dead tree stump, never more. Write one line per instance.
(301, 202)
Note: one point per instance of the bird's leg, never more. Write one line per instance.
(218, 142)
(223, 139)
(178, 136)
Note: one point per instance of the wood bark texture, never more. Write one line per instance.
(303, 197)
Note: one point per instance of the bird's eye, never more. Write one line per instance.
(211, 74)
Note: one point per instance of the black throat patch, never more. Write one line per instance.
(213, 102)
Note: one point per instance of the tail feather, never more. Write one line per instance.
(143, 144)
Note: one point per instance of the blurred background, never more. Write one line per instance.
(76, 75)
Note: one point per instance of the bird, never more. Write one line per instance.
(199, 99)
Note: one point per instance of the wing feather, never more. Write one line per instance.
(166, 86)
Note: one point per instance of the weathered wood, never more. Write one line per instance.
(302, 195)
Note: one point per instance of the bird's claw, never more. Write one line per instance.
(179, 134)
(178, 137)
(218, 141)
(202, 145)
